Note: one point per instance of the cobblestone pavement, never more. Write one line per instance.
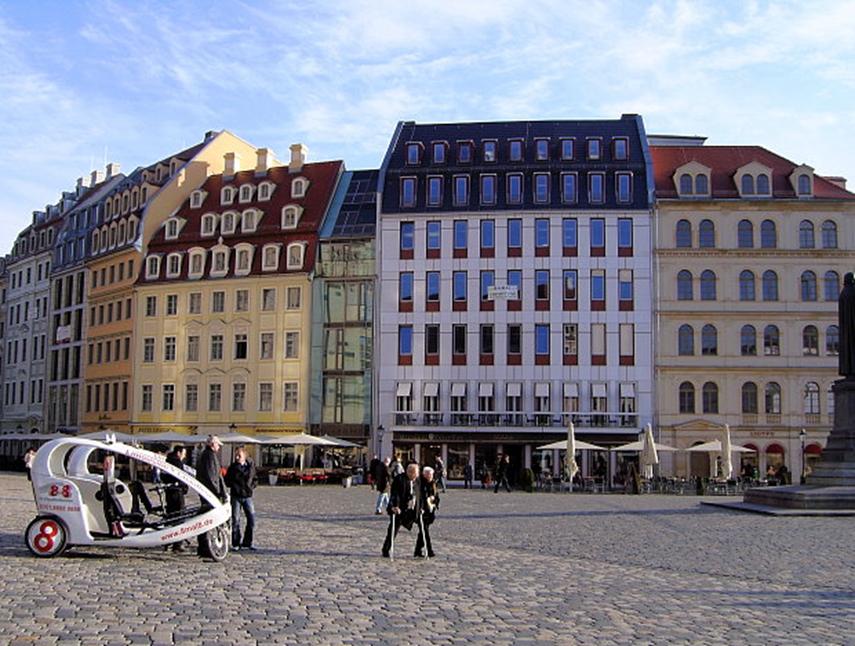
(511, 568)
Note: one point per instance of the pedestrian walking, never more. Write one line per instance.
(241, 480)
(430, 505)
(372, 470)
(404, 505)
(209, 473)
(467, 476)
(29, 456)
(396, 468)
(382, 480)
(502, 474)
(439, 473)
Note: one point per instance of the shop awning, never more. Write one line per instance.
(514, 389)
(571, 390)
(485, 390)
(404, 389)
(598, 390)
(627, 390)
(431, 389)
(458, 389)
(541, 390)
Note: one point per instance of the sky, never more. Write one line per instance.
(86, 82)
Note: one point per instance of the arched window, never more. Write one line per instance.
(684, 234)
(686, 340)
(294, 257)
(746, 285)
(749, 398)
(748, 184)
(702, 184)
(684, 286)
(706, 234)
(832, 286)
(804, 184)
(773, 398)
(763, 184)
(709, 340)
(811, 398)
(748, 340)
(687, 397)
(707, 285)
(806, 240)
(832, 340)
(810, 340)
(685, 184)
(808, 286)
(95, 241)
(770, 285)
(771, 341)
(829, 235)
(768, 235)
(709, 397)
(122, 232)
(745, 234)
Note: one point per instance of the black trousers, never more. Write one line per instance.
(503, 480)
(407, 518)
(424, 539)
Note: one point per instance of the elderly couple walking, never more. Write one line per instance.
(413, 500)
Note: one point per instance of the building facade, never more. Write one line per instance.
(341, 401)
(751, 250)
(514, 272)
(224, 301)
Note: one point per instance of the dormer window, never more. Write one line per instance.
(220, 264)
(209, 224)
(270, 257)
(763, 184)
(122, 232)
(414, 153)
(296, 251)
(299, 186)
(568, 149)
(515, 150)
(464, 152)
(489, 148)
(132, 229)
(246, 192)
(227, 195)
(291, 216)
(113, 235)
(95, 241)
(686, 184)
(620, 149)
(171, 229)
(249, 221)
(173, 265)
(196, 199)
(152, 267)
(264, 191)
(595, 148)
(541, 149)
(748, 184)
(135, 198)
(243, 259)
(197, 263)
(702, 184)
(439, 148)
(229, 223)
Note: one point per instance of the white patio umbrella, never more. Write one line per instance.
(299, 441)
(166, 437)
(715, 447)
(726, 454)
(649, 456)
(638, 445)
(570, 466)
(239, 438)
(340, 443)
(561, 445)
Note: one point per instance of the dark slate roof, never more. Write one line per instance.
(354, 211)
(724, 162)
(629, 126)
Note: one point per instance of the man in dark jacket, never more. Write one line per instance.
(430, 505)
(404, 504)
(208, 472)
(381, 481)
(241, 480)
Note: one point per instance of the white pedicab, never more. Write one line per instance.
(77, 507)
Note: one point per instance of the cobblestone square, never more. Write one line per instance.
(511, 568)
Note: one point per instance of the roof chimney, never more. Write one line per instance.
(210, 134)
(264, 157)
(298, 157)
(838, 181)
(82, 183)
(96, 177)
(112, 169)
(231, 163)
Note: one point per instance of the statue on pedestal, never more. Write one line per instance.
(846, 325)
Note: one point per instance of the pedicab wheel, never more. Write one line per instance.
(46, 536)
(215, 543)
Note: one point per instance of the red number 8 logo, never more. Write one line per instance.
(43, 541)
(54, 490)
(66, 491)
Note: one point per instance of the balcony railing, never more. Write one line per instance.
(517, 419)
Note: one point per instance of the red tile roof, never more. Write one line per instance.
(322, 179)
(724, 162)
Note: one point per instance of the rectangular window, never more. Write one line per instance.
(489, 148)
(623, 187)
(150, 307)
(625, 289)
(168, 348)
(265, 396)
(238, 397)
(515, 280)
(241, 346)
(218, 302)
(171, 305)
(541, 188)
(464, 152)
(405, 287)
(598, 288)
(514, 235)
(514, 188)
(405, 340)
(541, 149)
(290, 396)
(569, 236)
(598, 237)
(620, 149)
(568, 149)
(627, 344)
(515, 150)
(168, 397)
(594, 148)
(569, 188)
(461, 238)
(570, 339)
(458, 282)
(488, 280)
(541, 284)
(624, 236)
(432, 340)
(216, 347)
(596, 182)
(146, 403)
(434, 239)
(414, 153)
(541, 340)
(191, 397)
(461, 190)
(458, 334)
(488, 236)
(267, 343)
(488, 190)
(486, 340)
(215, 397)
(408, 192)
(541, 236)
(292, 345)
(194, 304)
(148, 350)
(434, 197)
(598, 344)
(268, 299)
(242, 300)
(432, 286)
(570, 284)
(192, 348)
(293, 298)
(407, 239)
(515, 339)
(438, 152)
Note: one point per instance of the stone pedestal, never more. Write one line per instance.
(831, 485)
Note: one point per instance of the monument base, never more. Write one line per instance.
(805, 497)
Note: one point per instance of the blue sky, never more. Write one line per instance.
(136, 81)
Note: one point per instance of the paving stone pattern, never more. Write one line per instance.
(511, 568)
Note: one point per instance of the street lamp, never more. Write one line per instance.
(802, 436)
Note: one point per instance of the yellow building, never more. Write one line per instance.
(750, 255)
(127, 217)
(222, 335)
